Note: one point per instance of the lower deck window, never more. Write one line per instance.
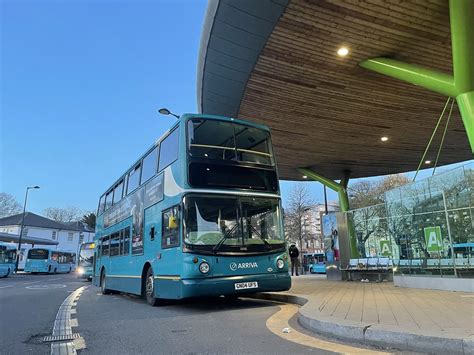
(170, 228)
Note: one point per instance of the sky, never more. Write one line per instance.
(81, 83)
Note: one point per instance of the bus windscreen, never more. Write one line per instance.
(38, 254)
(232, 224)
(86, 254)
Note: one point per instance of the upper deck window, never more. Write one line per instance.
(134, 179)
(228, 141)
(118, 190)
(169, 150)
(108, 200)
(101, 205)
(149, 165)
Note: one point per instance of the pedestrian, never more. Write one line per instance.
(294, 254)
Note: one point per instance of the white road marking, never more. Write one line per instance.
(6, 286)
(45, 287)
(29, 283)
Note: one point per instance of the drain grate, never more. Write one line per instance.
(65, 337)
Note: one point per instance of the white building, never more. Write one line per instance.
(312, 225)
(69, 235)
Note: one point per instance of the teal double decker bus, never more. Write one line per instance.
(199, 214)
(7, 259)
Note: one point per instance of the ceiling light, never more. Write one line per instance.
(342, 52)
(305, 177)
(384, 139)
(427, 162)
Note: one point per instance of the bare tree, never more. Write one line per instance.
(368, 193)
(367, 202)
(295, 217)
(8, 205)
(64, 215)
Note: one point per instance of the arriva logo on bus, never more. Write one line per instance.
(235, 266)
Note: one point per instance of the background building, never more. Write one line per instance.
(68, 235)
(312, 225)
(313, 241)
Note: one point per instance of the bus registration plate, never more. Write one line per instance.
(246, 285)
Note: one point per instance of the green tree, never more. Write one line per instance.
(89, 219)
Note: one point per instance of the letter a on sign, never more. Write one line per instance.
(433, 239)
(385, 248)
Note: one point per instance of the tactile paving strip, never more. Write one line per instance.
(62, 339)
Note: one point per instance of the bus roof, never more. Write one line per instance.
(463, 245)
(184, 117)
(187, 116)
(7, 245)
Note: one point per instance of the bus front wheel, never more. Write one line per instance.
(149, 289)
(103, 289)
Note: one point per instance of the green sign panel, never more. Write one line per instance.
(385, 248)
(433, 240)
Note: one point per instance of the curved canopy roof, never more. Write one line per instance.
(275, 62)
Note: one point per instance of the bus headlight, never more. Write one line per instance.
(280, 264)
(204, 267)
(80, 270)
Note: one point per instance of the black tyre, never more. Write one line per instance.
(103, 289)
(149, 289)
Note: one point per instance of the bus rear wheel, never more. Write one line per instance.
(149, 289)
(103, 289)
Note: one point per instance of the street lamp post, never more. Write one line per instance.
(22, 225)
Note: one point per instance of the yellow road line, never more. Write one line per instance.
(277, 322)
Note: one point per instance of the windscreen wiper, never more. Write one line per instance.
(267, 244)
(228, 234)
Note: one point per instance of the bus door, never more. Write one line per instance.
(103, 255)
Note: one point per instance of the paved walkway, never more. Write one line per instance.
(382, 314)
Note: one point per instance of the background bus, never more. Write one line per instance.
(198, 215)
(7, 259)
(86, 257)
(50, 261)
(316, 263)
